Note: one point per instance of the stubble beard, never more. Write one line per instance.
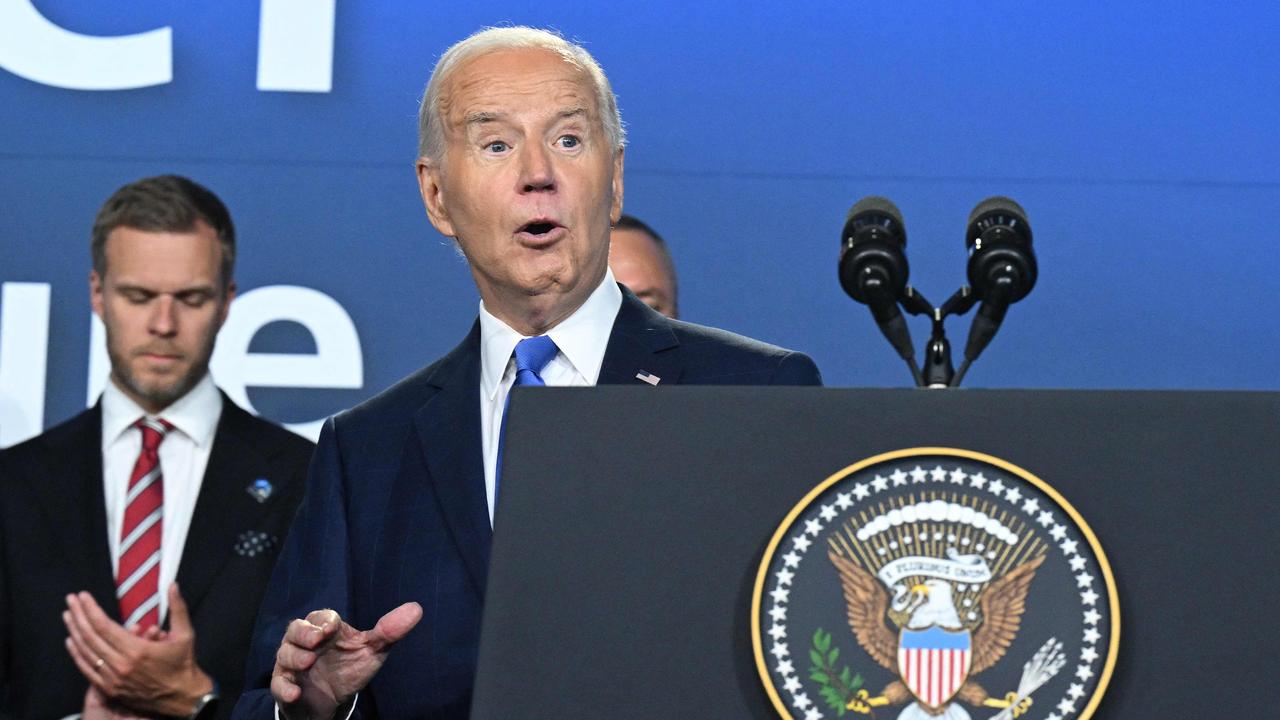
(162, 392)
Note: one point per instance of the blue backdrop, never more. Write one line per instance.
(1140, 138)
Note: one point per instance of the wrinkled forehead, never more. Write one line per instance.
(516, 80)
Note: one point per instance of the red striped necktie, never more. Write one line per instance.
(138, 577)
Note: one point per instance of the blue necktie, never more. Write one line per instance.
(531, 355)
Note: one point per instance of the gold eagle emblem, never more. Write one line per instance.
(929, 604)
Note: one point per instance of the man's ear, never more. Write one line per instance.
(615, 212)
(95, 293)
(429, 184)
(226, 303)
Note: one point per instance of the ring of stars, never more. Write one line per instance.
(804, 535)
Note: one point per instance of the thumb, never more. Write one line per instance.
(394, 625)
(179, 616)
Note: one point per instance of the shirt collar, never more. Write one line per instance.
(195, 414)
(582, 337)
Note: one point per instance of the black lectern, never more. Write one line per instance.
(633, 523)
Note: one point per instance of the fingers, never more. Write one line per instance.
(87, 640)
(394, 625)
(293, 659)
(147, 633)
(297, 652)
(88, 666)
(310, 633)
(111, 632)
(179, 616)
(324, 634)
(283, 688)
(302, 638)
(323, 617)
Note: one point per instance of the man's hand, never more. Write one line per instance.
(98, 707)
(149, 671)
(323, 662)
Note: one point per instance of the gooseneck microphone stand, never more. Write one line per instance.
(873, 270)
(937, 370)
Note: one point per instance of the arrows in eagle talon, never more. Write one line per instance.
(1037, 671)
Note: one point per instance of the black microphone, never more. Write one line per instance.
(1002, 268)
(873, 267)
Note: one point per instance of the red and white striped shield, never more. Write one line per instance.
(934, 663)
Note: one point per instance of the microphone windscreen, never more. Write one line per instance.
(876, 203)
(878, 213)
(998, 204)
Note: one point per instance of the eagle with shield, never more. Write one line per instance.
(935, 653)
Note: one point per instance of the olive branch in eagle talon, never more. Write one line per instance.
(1002, 606)
(838, 689)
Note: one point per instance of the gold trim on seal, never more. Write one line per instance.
(757, 644)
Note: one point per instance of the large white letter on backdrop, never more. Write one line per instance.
(337, 363)
(34, 48)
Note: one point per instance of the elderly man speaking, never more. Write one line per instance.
(374, 607)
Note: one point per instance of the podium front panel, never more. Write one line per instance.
(632, 523)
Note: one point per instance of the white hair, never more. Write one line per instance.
(430, 124)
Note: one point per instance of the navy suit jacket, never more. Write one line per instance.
(53, 541)
(395, 508)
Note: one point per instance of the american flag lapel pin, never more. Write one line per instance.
(648, 377)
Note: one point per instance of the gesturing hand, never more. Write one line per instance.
(149, 671)
(98, 707)
(323, 662)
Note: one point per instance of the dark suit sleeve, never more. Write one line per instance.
(5, 647)
(312, 573)
(796, 369)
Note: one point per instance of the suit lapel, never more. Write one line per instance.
(223, 506)
(77, 510)
(448, 429)
(641, 342)
(448, 425)
(101, 581)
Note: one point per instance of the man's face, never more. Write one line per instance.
(637, 263)
(162, 302)
(529, 183)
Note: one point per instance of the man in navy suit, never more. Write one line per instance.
(521, 156)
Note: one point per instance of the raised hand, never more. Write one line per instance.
(98, 707)
(147, 670)
(323, 662)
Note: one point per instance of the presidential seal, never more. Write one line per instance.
(935, 583)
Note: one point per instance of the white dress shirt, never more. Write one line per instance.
(581, 337)
(184, 454)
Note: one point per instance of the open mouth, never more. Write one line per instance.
(538, 228)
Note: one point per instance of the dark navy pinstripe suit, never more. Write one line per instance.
(396, 510)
